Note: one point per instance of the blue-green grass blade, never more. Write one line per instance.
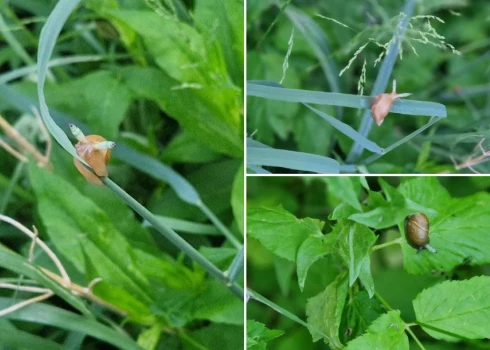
(47, 41)
(291, 160)
(276, 92)
(348, 131)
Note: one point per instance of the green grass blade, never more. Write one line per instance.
(187, 226)
(318, 42)
(54, 316)
(17, 339)
(291, 160)
(158, 170)
(266, 90)
(236, 266)
(47, 41)
(258, 170)
(348, 131)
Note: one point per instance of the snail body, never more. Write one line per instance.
(417, 232)
(381, 104)
(95, 151)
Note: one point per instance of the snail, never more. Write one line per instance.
(96, 151)
(381, 104)
(417, 232)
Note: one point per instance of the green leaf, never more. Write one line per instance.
(213, 119)
(223, 20)
(101, 99)
(86, 236)
(387, 332)
(280, 231)
(461, 308)
(149, 339)
(237, 198)
(218, 305)
(346, 189)
(354, 242)
(383, 213)
(324, 311)
(312, 249)
(258, 335)
(458, 227)
(359, 312)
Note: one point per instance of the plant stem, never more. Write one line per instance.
(172, 236)
(381, 246)
(235, 267)
(383, 76)
(224, 230)
(382, 301)
(407, 327)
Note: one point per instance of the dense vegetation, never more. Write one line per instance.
(164, 80)
(329, 263)
(439, 54)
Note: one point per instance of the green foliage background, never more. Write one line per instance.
(458, 82)
(309, 250)
(160, 78)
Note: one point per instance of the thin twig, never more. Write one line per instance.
(24, 288)
(23, 143)
(47, 250)
(25, 303)
(12, 151)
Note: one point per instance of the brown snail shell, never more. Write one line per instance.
(417, 232)
(96, 158)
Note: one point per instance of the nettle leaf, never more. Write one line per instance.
(342, 211)
(345, 188)
(381, 212)
(324, 311)
(312, 249)
(280, 231)
(387, 332)
(354, 243)
(458, 308)
(359, 312)
(258, 335)
(459, 230)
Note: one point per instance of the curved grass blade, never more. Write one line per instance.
(47, 41)
(54, 316)
(291, 160)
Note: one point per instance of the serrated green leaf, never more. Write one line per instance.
(280, 231)
(345, 188)
(359, 312)
(387, 332)
(258, 335)
(324, 311)
(354, 242)
(312, 249)
(461, 308)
